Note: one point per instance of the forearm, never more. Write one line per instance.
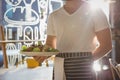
(51, 41)
(50, 45)
(105, 43)
(101, 52)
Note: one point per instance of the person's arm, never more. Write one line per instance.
(104, 38)
(51, 41)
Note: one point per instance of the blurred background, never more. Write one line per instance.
(27, 20)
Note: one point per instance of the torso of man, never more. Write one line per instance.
(74, 29)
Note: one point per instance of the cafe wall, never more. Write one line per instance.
(26, 19)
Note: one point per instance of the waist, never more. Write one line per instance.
(75, 54)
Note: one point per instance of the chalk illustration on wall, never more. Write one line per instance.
(27, 18)
(28, 15)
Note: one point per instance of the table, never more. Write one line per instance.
(24, 73)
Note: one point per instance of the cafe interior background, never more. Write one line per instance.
(27, 20)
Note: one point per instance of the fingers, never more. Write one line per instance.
(40, 59)
(36, 57)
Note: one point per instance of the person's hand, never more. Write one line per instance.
(40, 59)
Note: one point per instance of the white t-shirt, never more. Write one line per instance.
(76, 32)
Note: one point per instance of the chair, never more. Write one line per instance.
(115, 69)
(3, 45)
(13, 54)
(9, 47)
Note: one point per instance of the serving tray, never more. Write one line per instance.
(39, 53)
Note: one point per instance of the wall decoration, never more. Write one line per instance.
(27, 19)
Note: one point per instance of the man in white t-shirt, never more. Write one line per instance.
(74, 28)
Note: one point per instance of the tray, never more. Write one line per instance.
(39, 53)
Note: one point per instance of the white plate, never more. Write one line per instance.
(39, 53)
